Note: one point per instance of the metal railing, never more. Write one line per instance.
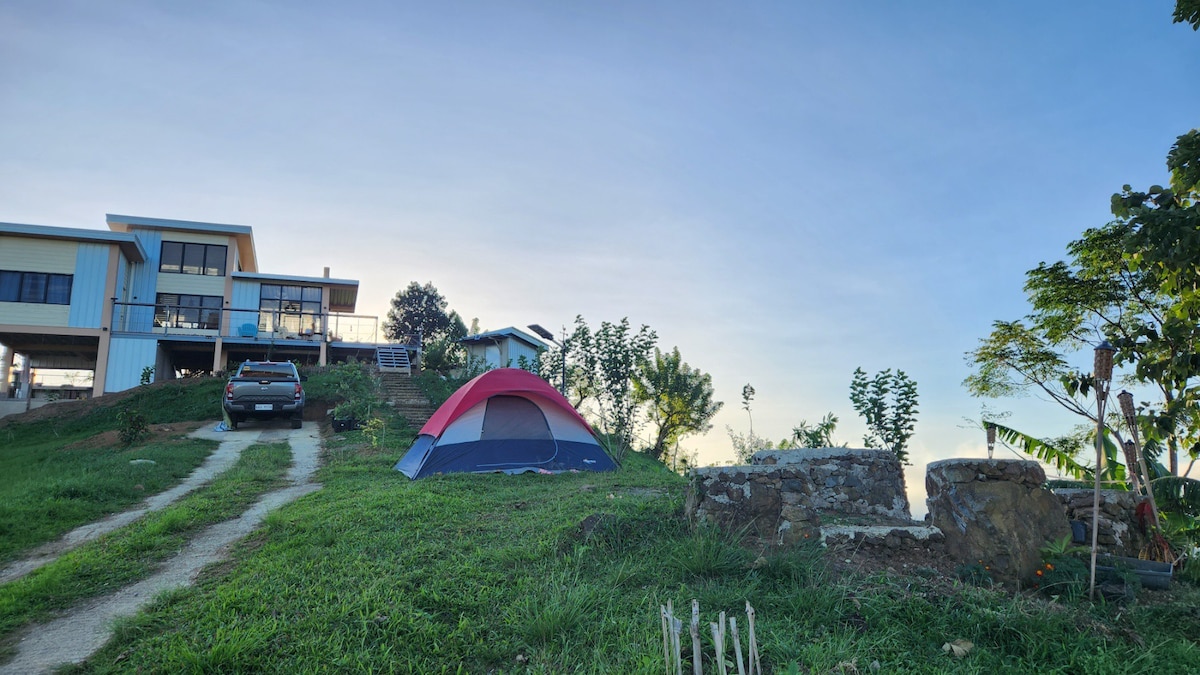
(139, 317)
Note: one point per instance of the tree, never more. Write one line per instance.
(1132, 282)
(421, 311)
(1188, 11)
(680, 398)
(888, 403)
(600, 367)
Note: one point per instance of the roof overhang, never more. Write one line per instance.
(131, 246)
(243, 234)
(505, 334)
(343, 293)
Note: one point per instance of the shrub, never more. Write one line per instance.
(132, 426)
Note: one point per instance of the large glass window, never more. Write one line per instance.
(187, 258)
(177, 310)
(35, 287)
(295, 309)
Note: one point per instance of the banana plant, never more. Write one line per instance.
(1063, 459)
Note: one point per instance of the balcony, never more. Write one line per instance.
(245, 325)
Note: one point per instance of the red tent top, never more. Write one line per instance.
(512, 381)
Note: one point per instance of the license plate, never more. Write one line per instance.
(263, 406)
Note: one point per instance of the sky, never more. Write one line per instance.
(784, 190)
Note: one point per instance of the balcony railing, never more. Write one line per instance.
(135, 317)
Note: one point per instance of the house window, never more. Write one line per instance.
(186, 258)
(37, 287)
(177, 310)
(289, 308)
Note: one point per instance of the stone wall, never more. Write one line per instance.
(847, 481)
(994, 510)
(787, 495)
(1119, 531)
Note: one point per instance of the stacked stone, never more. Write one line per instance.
(882, 537)
(849, 481)
(995, 510)
(775, 502)
(1119, 534)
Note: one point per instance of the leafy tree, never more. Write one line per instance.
(600, 367)
(1188, 11)
(680, 398)
(421, 311)
(1132, 282)
(888, 402)
(748, 396)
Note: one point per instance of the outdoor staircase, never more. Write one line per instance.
(402, 393)
(393, 359)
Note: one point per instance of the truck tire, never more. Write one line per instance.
(233, 422)
(297, 422)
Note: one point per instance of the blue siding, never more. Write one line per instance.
(87, 288)
(144, 281)
(518, 349)
(245, 296)
(127, 356)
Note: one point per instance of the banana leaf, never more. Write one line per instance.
(1063, 460)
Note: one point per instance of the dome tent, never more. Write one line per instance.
(505, 420)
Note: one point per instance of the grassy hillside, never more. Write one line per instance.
(566, 573)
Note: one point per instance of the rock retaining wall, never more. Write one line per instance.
(787, 495)
(994, 510)
(1119, 533)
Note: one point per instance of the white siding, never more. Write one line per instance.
(127, 356)
(87, 288)
(37, 255)
(194, 237)
(192, 284)
(34, 314)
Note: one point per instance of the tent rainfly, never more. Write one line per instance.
(506, 420)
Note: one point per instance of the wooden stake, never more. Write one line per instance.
(666, 630)
(737, 645)
(718, 647)
(697, 668)
(754, 659)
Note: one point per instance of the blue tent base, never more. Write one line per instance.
(426, 458)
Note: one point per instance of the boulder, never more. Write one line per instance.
(996, 511)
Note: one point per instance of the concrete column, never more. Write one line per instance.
(6, 361)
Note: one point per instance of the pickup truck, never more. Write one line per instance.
(264, 389)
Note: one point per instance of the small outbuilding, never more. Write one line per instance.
(507, 420)
(504, 348)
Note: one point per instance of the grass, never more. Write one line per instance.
(134, 552)
(566, 573)
(497, 574)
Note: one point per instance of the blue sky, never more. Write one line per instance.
(785, 190)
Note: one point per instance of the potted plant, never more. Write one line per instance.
(344, 418)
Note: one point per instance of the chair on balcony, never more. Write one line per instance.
(248, 330)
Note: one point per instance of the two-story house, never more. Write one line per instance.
(172, 295)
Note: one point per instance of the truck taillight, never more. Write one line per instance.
(299, 390)
(229, 391)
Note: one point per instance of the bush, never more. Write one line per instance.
(132, 426)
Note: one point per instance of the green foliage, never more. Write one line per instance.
(680, 398)
(132, 426)
(353, 387)
(1066, 575)
(976, 574)
(375, 431)
(600, 366)
(147, 376)
(420, 312)
(888, 403)
(818, 435)
(1188, 11)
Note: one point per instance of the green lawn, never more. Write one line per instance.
(493, 573)
(53, 477)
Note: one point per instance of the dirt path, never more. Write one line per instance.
(217, 463)
(76, 636)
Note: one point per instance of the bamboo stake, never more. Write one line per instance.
(718, 647)
(737, 645)
(697, 668)
(754, 659)
(664, 614)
